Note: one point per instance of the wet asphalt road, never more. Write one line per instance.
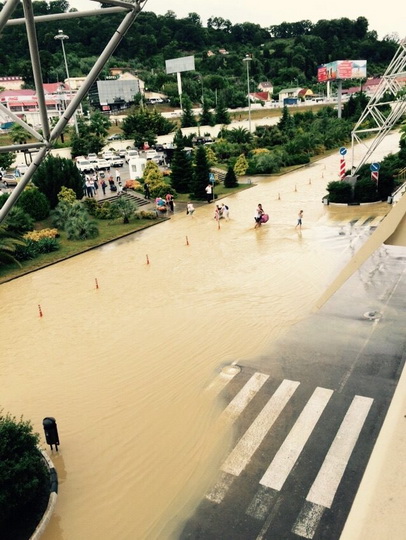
(349, 354)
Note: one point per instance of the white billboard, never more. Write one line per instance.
(177, 65)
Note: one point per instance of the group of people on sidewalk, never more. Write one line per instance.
(94, 181)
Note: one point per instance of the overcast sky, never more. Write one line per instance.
(383, 19)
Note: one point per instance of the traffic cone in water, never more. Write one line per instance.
(147, 260)
(187, 241)
(40, 310)
(97, 283)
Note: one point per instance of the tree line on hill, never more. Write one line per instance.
(287, 54)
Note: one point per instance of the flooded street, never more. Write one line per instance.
(129, 370)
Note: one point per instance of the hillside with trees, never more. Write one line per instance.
(287, 54)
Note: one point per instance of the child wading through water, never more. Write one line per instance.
(299, 219)
(258, 216)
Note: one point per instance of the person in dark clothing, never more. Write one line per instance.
(147, 191)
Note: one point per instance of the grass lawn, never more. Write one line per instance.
(109, 230)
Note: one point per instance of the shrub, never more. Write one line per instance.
(19, 221)
(48, 245)
(365, 190)
(24, 479)
(91, 205)
(34, 203)
(29, 250)
(80, 227)
(107, 211)
(145, 214)
(230, 179)
(42, 233)
(339, 192)
(64, 211)
(264, 163)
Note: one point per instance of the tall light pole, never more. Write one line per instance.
(247, 60)
(61, 37)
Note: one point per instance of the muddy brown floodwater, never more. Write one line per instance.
(130, 370)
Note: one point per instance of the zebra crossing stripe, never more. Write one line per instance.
(323, 490)
(223, 378)
(244, 396)
(360, 222)
(375, 222)
(287, 455)
(242, 453)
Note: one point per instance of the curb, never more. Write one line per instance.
(53, 476)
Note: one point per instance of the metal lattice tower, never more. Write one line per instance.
(389, 87)
(45, 141)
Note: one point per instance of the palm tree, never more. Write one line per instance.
(65, 211)
(81, 227)
(8, 243)
(18, 134)
(125, 207)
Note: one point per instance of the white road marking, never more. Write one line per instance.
(308, 520)
(375, 222)
(326, 483)
(250, 441)
(261, 503)
(287, 455)
(219, 490)
(223, 378)
(244, 396)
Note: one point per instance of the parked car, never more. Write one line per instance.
(91, 157)
(150, 154)
(108, 155)
(117, 161)
(115, 137)
(131, 154)
(10, 179)
(84, 165)
(102, 164)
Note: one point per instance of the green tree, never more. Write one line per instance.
(241, 165)
(34, 203)
(24, 477)
(221, 115)
(99, 124)
(19, 135)
(6, 160)
(55, 172)
(125, 208)
(206, 116)
(201, 174)
(188, 118)
(144, 125)
(181, 170)
(230, 179)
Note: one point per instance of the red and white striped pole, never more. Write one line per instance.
(342, 168)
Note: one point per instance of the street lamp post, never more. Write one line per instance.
(61, 37)
(247, 60)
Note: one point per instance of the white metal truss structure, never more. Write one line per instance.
(45, 141)
(389, 92)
